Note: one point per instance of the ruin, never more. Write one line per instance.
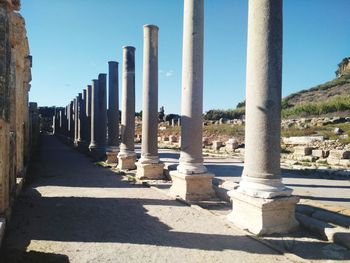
(18, 119)
(261, 202)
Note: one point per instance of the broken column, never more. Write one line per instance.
(113, 113)
(127, 156)
(262, 204)
(191, 181)
(149, 166)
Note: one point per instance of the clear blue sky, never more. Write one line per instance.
(72, 40)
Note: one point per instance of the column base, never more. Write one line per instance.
(112, 157)
(126, 162)
(263, 216)
(192, 187)
(150, 171)
(98, 153)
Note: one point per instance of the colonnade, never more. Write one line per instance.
(261, 203)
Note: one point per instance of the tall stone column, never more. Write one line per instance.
(77, 115)
(113, 113)
(149, 166)
(102, 111)
(98, 117)
(88, 112)
(191, 181)
(262, 204)
(71, 121)
(94, 114)
(127, 156)
(83, 125)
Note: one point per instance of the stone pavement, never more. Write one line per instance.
(311, 187)
(74, 211)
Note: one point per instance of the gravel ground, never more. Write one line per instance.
(74, 211)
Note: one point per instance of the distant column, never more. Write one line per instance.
(127, 156)
(78, 139)
(113, 113)
(83, 123)
(262, 203)
(76, 121)
(102, 111)
(71, 121)
(191, 181)
(149, 166)
(88, 112)
(94, 114)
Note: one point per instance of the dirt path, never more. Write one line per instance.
(75, 211)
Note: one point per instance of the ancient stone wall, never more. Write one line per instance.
(15, 76)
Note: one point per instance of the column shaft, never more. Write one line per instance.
(255, 206)
(263, 101)
(191, 157)
(149, 150)
(113, 106)
(128, 101)
(101, 135)
(94, 113)
(127, 156)
(88, 112)
(191, 181)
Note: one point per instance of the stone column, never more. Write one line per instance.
(149, 166)
(83, 125)
(262, 204)
(75, 105)
(71, 121)
(94, 115)
(77, 115)
(127, 156)
(102, 111)
(88, 112)
(113, 113)
(191, 181)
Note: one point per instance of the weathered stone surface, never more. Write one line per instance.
(302, 140)
(192, 187)
(231, 145)
(217, 145)
(320, 153)
(263, 216)
(302, 151)
(339, 154)
(150, 171)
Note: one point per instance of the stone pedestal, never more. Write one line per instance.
(263, 216)
(192, 187)
(150, 171)
(126, 162)
(112, 157)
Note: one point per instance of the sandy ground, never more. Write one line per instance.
(74, 211)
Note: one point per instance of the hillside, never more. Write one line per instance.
(339, 86)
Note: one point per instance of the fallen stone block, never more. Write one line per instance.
(217, 145)
(302, 140)
(320, 153)
(302, 151)
(339, 154)
(344, 162)
(231, 145)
